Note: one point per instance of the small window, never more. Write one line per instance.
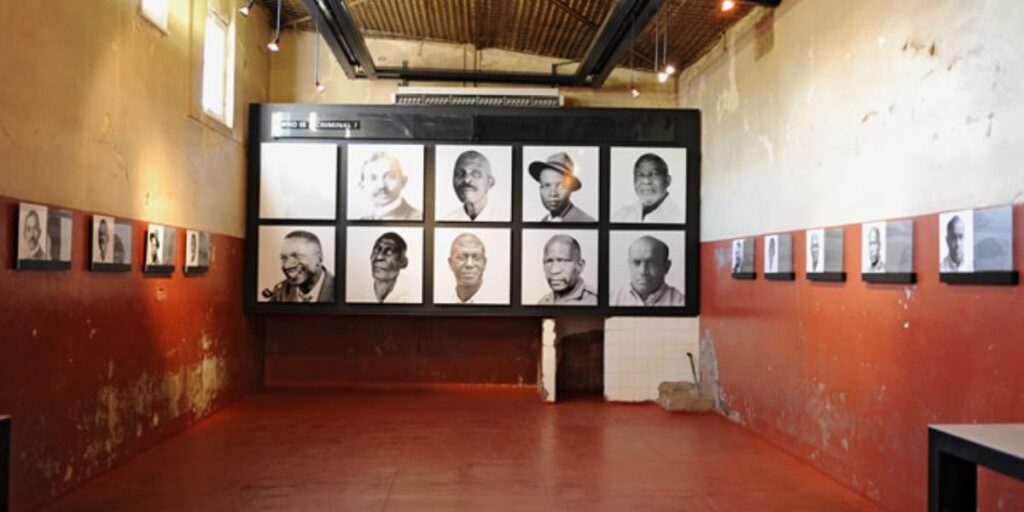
(219, 69)
(155, 11)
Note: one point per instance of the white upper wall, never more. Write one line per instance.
(862, 110)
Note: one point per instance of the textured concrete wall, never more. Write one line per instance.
(835, 113)
(99, 112)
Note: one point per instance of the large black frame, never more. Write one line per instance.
(432, 126)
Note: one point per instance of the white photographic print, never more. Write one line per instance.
(298, 181)
(473, 183)
(559, 267)
(993, 239)
(874, 247)
(385, 182)
(33, 238)
(472, 266)
(771, 254)
(296, 264)
(103, 236)
(197, 250)
(648, 185)
(815, 250)
(647, 268)
(156, 246)
(738, 255)
(561, 184)
(956, 241)
(384, 265)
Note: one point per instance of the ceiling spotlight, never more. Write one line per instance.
(728, 5)
(272, 45)
(320, 87)
(246, 8)
(634, 92)
(670, 69)
(662, 76)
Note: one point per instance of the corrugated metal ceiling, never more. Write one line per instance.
(555, 28)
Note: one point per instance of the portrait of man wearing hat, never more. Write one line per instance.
(558, 181)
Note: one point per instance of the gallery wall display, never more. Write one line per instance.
(111, 244)
(743, 259)
(473, 183)
(473, 211)
(44, 238)
(160, 243)
(887, 252)
(778, 257)
(976, 246)
(648, 185)
(197, 252)
(825, 254)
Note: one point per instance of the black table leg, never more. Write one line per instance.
(952, 481)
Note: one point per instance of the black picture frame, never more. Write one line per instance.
(890, 278)
(432, 126)
(780, 276)
(744, 276)
(1007, 278)
(827, 277)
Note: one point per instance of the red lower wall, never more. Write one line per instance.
(328, 351)
(847, 376)
(96, 368)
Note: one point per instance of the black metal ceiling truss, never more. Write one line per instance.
(613, 40)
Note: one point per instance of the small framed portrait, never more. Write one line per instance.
(111, 244)
(993, 239)
(956, 246)
(473, 183)
(472, 266)
(295, 264)
(815, 251)
(561, 184)
(559, 267)
(743, 256)
(647, 268)
(778, 257)
(298, 181)
(44, 238)
(873, 247)
(648, 185)
(385, 182)
(160, 250)
(197, 252)
(384, 265)
(771, 254)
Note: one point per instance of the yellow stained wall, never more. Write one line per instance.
(292, 74)
(99, 111)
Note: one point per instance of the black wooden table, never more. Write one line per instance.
(954, 453)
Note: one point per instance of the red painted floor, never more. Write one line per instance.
(500, 450)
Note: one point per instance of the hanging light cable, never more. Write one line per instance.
(316, 54)
(657, 44)
(246, 8)
(669, 68)
(633, 91)
(273, 45)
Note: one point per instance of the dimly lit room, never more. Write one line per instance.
(511, 255)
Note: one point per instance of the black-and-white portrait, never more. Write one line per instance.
(160, 246)
(647, 268)
(32, 232)
(298, 181)
(295, 264)
(993, 239)
(956, 241)
(384, 265)
(559, 267)
(385, 182)
(648, 185)
(197, 251)
(111, 240)
(873, 247)
(561, 184)
(743, 256)
(473, 183)
(771, 254)
(472, 266)
(815, 250)
(899, 246)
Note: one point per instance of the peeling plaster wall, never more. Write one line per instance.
(848, 112)
(99, 113)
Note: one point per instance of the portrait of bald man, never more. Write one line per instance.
(956, 246)
(471, 267)
(649, 262)
(294, 264)
(563, 269)
(384, 265)
(385, 182)
(472, 183)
